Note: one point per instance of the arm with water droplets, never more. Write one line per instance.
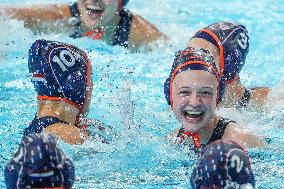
(33, 16)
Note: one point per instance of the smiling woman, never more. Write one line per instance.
(193, 90)
(101, 19)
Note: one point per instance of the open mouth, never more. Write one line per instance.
(193, 115)
(94, 10)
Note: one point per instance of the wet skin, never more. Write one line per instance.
(194, 99)
(98, 14)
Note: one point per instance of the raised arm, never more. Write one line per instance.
(34, 15)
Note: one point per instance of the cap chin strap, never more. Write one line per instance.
(235, 78)
(95, 34)
(195, 137)
(119, 6)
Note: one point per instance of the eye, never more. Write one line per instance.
(183, 93)
(206, 93)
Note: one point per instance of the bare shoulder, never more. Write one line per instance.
(142, 32)
(242, 136)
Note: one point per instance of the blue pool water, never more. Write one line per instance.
(141, 158)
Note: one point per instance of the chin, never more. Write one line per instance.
(193, 127)
(92, 24)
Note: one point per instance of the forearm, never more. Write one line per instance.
(36, 14)
(68, 133)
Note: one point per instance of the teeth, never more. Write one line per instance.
(193, 112)
(94, 8)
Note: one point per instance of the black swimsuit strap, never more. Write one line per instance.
(180, 132)
(123, 29)
(244, 100)
(219, 129)
(74, 10)
(76, 22)
(38, 124)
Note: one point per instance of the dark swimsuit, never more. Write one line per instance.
(122, 30)
(244, 100)
(217, 133)
(39, 124)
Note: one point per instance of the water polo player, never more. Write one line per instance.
(62, 80)
(101, 19)
(193, 90)
(223, 165)
(229, 44)
(39, 163)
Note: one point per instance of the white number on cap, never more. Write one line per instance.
(243, 40)
(237, 163)
(63, 62)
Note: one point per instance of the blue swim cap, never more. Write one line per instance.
(124, 2)
(193, 59)
(61, 72)
(121, 4)
(39, 163)
(233, 43)
(223, 164)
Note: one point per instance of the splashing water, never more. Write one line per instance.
(128, 96)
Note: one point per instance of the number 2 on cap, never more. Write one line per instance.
(237, 163)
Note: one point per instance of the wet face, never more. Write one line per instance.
(199, 43)
(97, 14)
(194, 94)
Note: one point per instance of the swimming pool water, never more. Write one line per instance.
(141, 158)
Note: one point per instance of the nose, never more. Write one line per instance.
(194, 99)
